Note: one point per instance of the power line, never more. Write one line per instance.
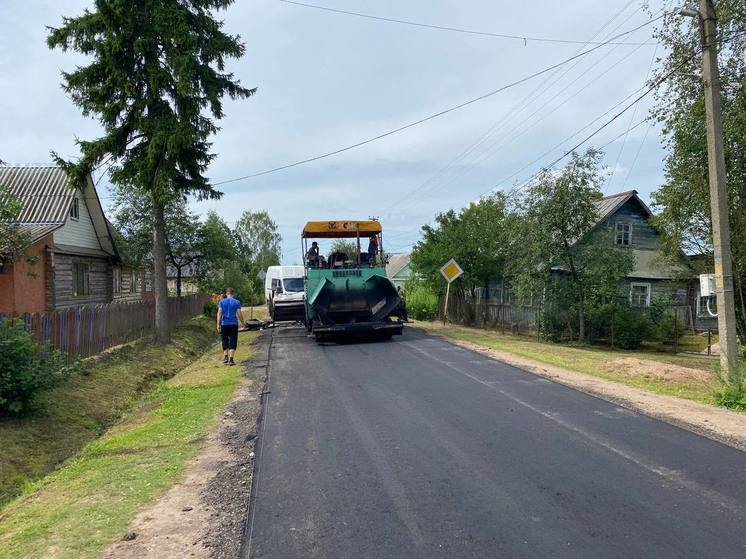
(524, 129)
(631, 120)
(435, 115)
(523, 38)
(602, 127)
(510, 115)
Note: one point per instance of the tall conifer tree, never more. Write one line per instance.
(155, 81)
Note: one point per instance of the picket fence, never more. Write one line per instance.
(86, 331)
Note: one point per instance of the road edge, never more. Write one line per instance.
(708, 421)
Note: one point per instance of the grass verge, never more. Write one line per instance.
(687, 377)
(87, 503)
(65, 418)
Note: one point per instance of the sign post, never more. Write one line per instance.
(450, 271)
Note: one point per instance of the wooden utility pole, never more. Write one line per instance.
(719, 198)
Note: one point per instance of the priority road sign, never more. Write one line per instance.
(451, 270)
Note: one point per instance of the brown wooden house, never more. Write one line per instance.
(78, 261)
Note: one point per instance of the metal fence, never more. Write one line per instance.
(669, 323)
(86, 331)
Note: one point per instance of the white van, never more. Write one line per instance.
(285, 293)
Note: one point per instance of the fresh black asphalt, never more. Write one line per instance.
(420, 448)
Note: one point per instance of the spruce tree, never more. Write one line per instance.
(155, 81)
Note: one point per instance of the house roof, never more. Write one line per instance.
(46, 195)
(397, 262)
(607, 205)
(44, 192)
(39, 231)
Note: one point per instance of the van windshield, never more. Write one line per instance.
(293, 285)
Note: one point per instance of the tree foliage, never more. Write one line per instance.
(155, 78)
(476, 238)
(258, 245)
(556, 232)
(683, 202)
(221, 267)
(14, 241)
(186, 240)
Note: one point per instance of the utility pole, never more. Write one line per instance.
(719, 198)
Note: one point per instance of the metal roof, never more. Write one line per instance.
(46, 195)
(609, 204)
(44, 192)
(397, 262)
(38, 231)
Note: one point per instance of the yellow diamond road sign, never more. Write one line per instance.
(451, 270)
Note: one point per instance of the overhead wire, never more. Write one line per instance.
(511, 114)
(434, 115)
(522, 38)
(511, 137)
(607, 183)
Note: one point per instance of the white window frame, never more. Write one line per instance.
(634, 284)
(617, 231)
(75, 209)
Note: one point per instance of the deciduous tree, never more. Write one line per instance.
(258, 244)
(683, 201)
(14, 240)
(556, 236)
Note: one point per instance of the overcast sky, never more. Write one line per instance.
(328, 80)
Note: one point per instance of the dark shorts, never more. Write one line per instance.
(229, 334)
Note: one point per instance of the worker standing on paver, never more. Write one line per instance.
(229, 313)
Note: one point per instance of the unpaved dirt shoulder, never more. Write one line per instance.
(203, 515)
(720, 424)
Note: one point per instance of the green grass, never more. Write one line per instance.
(79, 509)
(596, 362)
(64, 419)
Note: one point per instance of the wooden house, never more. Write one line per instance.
(78, 263)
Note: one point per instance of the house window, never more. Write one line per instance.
(80, 279)
(623, 233)
(148, 281)
(639, 294)
(679, 297)
(117, 280)
(75, 209)
(134, 288)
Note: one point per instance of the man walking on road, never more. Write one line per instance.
(229, 312)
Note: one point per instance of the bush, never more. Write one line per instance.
(26, 367)
(422, 303)
(210, 309)
(551, 326)
(669, 328)
(627, 328)
(732, 398)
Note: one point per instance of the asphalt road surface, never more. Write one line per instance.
(419, 448)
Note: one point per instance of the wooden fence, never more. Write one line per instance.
(86, 331)
(490, 313)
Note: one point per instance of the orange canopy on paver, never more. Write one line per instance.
(341, 229)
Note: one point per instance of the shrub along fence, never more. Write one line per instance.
(615, 325)
(86, 331)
